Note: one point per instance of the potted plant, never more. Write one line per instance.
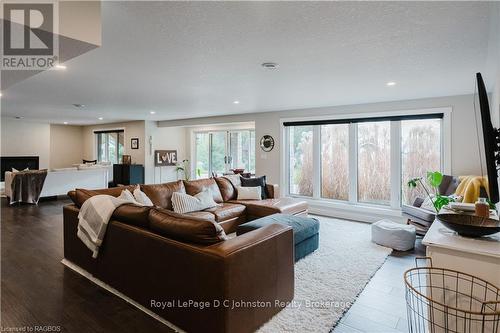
(184, 168)
(434, 179)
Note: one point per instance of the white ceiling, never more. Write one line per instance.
(193, 59)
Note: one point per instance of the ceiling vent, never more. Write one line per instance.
(270, 65)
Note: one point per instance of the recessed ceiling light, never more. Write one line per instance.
(19, 117)
(0, 94)
(391, 83)
(270, 65)
(236, 102)
(79, 105)
(152, 112)
(59, 66)
(65, 123)
(100, 118)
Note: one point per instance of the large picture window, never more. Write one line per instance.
(110, 146)
(366, 160)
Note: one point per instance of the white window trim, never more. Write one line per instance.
(352, 209)
(353, 164)
(316, 157)
(395, 153)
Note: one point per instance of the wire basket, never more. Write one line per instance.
(445, 300)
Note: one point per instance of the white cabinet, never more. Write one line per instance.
(476, 256)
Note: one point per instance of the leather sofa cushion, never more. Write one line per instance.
(161, 194)
(196, 186)
(185, 228)
(226, 188)
(72, 196)
(226, 211)
(133, 215)
(202, 215)
(272, 206)
(81, 195)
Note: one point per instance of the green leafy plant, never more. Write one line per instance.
(492, 205)
(184, 168)
(434, 179)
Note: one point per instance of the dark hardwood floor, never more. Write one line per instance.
(37, 290)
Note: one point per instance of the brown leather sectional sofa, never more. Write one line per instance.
(154, 255)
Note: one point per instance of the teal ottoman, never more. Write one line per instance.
(305, 231)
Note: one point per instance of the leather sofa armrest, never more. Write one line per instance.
(249, 239)
(72, 196)
(273, 190)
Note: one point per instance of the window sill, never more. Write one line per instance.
(345, 210)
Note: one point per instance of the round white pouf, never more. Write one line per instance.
(397, 236)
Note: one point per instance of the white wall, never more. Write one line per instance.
(493, 60)
(164, 138)
(58, 146)
(66, 146)
(464, 153)
(25, 138)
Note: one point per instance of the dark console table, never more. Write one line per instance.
(128, 174)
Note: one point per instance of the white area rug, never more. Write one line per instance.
(328, 281)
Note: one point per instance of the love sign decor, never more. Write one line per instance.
(165, 157)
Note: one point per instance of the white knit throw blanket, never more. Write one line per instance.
(93, 219)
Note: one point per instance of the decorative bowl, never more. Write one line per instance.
(238, 171)
(469, 225)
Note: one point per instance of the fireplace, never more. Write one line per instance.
(18, 162)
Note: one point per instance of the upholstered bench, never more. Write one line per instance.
(305, 231)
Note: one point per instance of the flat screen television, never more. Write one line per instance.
(490, 138)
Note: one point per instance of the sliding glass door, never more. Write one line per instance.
(219, 152)
(202, 161)
(241, 154)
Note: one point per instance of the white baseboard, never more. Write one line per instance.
(354, 213)
(127, 299)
